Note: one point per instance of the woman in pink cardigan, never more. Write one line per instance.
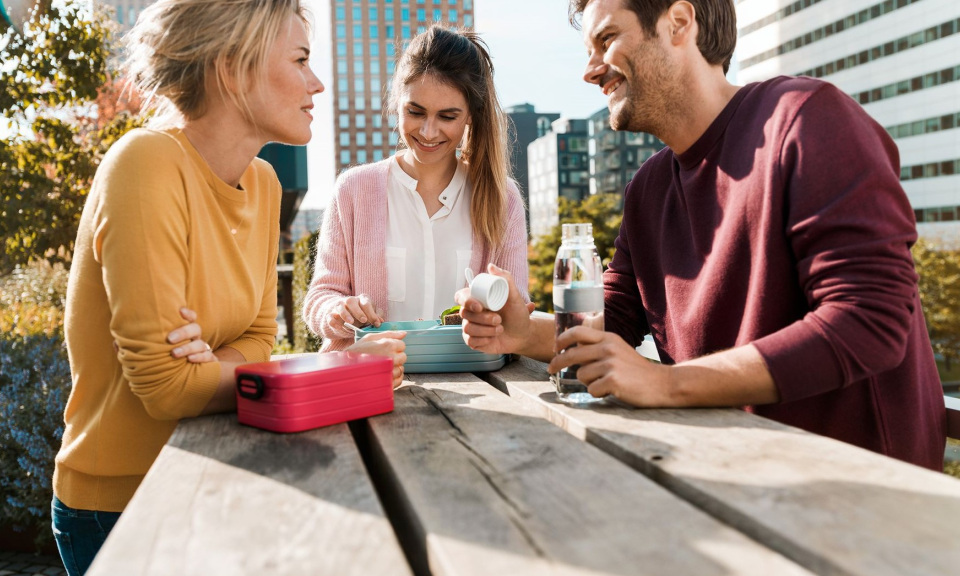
(399, 233)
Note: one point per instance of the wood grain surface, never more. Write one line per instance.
(830, 506)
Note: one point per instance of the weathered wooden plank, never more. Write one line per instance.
(477, 483)
(830, 506)
(227, 499)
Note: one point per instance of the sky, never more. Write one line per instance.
(538, 58)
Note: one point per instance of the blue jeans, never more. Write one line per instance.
(79, 534)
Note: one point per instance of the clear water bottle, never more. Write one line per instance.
(577, 300)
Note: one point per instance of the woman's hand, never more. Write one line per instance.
(356, 310)
(390, 344)
(188, 340)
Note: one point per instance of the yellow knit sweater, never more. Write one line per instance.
(159, 231)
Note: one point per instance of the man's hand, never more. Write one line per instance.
(610, 366)
(503, 332)
(389, 343)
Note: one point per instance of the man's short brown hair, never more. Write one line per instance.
(716, 20)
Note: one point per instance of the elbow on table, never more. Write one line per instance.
(166, 399)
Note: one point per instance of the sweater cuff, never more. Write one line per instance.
(203, 385)
(251, 349)
(801, 362)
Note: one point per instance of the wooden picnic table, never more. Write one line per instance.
(489, 474)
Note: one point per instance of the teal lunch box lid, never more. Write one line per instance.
(433, 347)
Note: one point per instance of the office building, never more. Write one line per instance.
(615, 155)
(526, 125)
(367, 35)
(127, 11)
(305, 223)
(557, 167)
(900, 59)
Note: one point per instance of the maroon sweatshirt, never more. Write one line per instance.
(785, 226)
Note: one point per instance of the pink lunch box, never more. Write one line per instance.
(297, 394)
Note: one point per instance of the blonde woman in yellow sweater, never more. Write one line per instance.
(174, 277)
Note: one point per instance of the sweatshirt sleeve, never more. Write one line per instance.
(142, 228)
(332, 280)
(623, 310)
(850, 227)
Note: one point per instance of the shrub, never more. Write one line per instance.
(34, 386)
(304, 256)
(32, 300)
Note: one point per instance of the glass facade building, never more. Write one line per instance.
(616, 155)
(126, 11)
(367, 36)
(557, 166)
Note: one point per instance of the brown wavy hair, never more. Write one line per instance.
(716, 21)
(459, 58)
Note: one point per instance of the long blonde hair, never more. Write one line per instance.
(177, 44)
(459, 58)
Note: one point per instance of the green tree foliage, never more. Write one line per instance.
(58, 101)
(939, 286)
(603, 211)
(304, 257)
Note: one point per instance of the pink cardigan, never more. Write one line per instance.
(351, 251)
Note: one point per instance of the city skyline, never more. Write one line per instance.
(538, 29)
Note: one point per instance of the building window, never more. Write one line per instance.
(341, 48)
(377, 155)
(377, 139)
(343, 103)
(374, 30)
(342, 85)
(930, 80)
(359, 103)
(905, 43)
(358, 85)
(341, 66)
(341, 31)
(393, 138)
(344, 139)
(361, 139)
(344, 121)
(362, 156)
(356, 13)
(453, 16)
(421, 14)
(360, 120)
(344, 157)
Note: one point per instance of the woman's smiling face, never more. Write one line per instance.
(433, 117)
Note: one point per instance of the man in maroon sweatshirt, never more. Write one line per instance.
(766, 249)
